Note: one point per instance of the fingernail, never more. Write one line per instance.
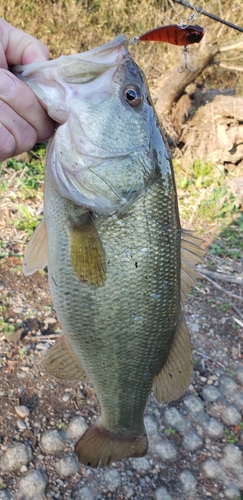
(7, 84)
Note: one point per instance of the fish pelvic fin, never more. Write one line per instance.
(61, 362)
(87, 254)
(36, 257)
(98, 447)
(191, 254)
(175, 376)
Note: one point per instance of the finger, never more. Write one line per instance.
(20, 47)
(16, 134)
(24, 104)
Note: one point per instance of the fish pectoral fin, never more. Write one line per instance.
(175, 376)
(98, 447)
(36, 257)
(61, 362)
(87, 254)
(191, 254)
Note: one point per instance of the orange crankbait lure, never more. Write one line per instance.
(174, 34)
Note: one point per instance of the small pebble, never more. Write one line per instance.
(67, 466)
(173, 418)
(15, 457)
(76, 428)
(231, 416)
(212, 469)
(33, 484)
(227, 385)
(191, 441)
(151, 425)
(51, 442)
(166, 450)
(188, 482)
(193, 404)
(214, 429)
(232, 456)
(140, 464)
(162, 494)
(21, 425)
(4, 495)
(113, 479)
(232, 492)
(211, 393)
(22, 411)
(84, 494)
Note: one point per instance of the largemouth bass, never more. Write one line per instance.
(119, 264)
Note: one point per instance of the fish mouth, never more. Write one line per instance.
(82, 94)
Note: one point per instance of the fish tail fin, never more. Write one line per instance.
(98, 447)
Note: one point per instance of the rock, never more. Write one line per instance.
(212, 469)
(129, 491)
(67, 466)
(166, 450)
(22, 411)
(232, 456)
(84, 493)
(76, 428)
(188, 482)
(151, 425)
(4, 495)
(140, 464)
(232, 492)
(210, 393)
(33, 484)
(231, 416)
(113, 479)
(214, 429)
(193, 404)
(15, 457)
(66, 398)
(21, 425)
(239, 375)
(194, 328)
(227, 385)
(191, 441)
(51, 442)
(173, 418)
(162, 494)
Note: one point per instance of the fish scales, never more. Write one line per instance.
(130, 319)
(111, 236)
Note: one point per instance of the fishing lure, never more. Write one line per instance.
(176, 34)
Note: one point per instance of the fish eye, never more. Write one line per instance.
(195, 37)
(132, 95)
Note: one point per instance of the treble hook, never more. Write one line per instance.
(186, 62)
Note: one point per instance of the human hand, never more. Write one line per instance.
(23, 121)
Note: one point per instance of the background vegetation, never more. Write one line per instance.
(68, 26)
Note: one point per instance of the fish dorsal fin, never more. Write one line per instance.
(86, 252)
(191, 254)
(36, 257)
(61, 362)
(175, 376)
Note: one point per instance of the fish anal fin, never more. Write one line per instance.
(191, 254)
(36, 257)
(87, 254)
(61, 362)
(175, 376)
(98, 447)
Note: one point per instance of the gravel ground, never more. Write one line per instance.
(195, 443)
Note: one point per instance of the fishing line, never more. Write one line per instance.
(208, 14)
